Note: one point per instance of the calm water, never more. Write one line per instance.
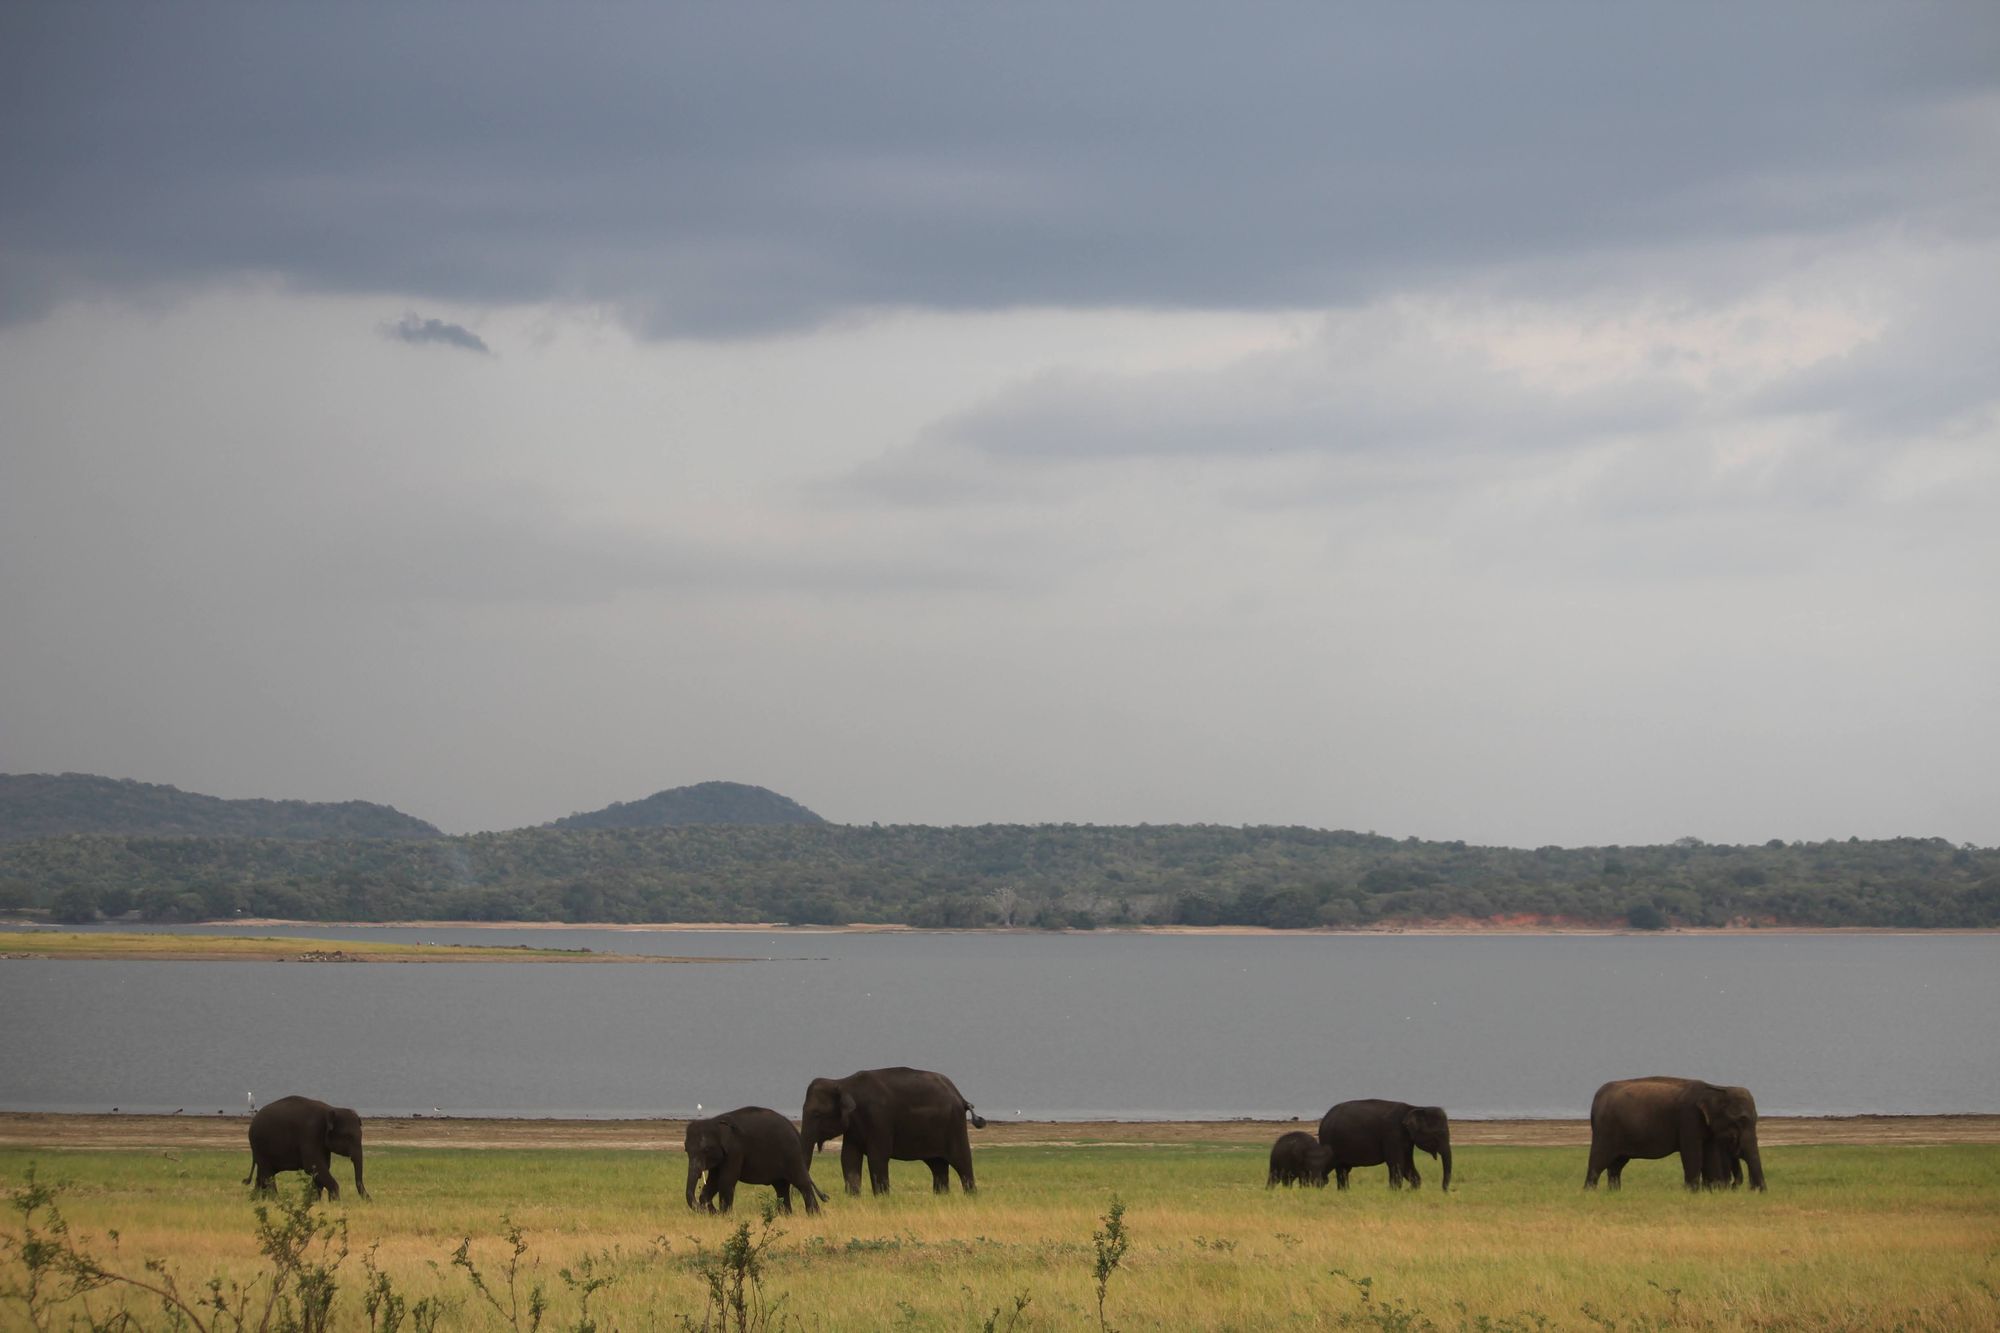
(1043, 1026)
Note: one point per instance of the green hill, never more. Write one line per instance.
(1063, 875)
(45, 805)
(703, 803)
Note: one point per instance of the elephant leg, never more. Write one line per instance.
(323, 1179)
(1600, 1158)
(784, 1188)
(804, 1181)
(878, 1171)
(1340, 1173)
(722, 1185)
(940, 1174)
(1410, 1169)
(850, 1164)
(1618, 1172)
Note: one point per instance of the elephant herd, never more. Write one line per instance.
(877, 1114)
(903, 1114)
(1714, 1129)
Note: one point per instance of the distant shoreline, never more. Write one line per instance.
(1447, 929)
(869, 928)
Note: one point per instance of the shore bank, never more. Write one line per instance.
(165, 1133)
(1511, 926)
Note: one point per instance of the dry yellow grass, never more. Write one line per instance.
(117, 946)
(1848, 1237)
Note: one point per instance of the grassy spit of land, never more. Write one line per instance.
(141, 946)
(1850, 1236)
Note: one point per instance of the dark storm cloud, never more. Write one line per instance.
(715, 169)
(413, 329)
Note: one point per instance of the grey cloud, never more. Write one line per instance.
(713, 170)
(1377, 392)
(1929, 370)
(417, 330)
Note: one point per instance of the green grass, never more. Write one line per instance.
(113, 945)
(1847, 1238)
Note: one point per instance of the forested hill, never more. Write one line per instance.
(703, 803)
(1039, 875)
(41, 805)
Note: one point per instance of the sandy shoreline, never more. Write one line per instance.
(29, 1130)
(1454, 928)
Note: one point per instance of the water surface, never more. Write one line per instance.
(1062, 1026)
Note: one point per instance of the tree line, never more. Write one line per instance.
(1048, 875)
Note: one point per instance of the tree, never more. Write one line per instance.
(75, 905)
(1645, 916)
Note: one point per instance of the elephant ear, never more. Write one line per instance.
(1411, 1122)
(726, 1138)
(848, 1106)
(332, 1123)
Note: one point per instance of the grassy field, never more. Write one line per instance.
(114, 946)
(1848, 1237)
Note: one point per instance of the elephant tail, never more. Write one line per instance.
(978, 1120)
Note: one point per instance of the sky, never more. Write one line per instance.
(1526, 424)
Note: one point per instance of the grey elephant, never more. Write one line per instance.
(1721, 1167)
(908, 1115)
(300, 1134)
(1712, 1128)
(752, 1145)
(1298, 1158)
(1372, 1132)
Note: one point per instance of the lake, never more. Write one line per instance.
(1041, 1026)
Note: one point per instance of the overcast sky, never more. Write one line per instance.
(1567, 424)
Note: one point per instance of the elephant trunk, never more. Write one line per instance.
(359, 1187)
(694, 1178)
(1754, 1161)
(1444, 1157)
(813, 1135)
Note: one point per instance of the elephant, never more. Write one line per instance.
(1371, 1132)
(752, 1145)
(1711, 1127)
(1719, 1165)
(1298, 1158)
(299, 1134)
(911, 1115)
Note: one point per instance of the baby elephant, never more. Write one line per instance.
(1298, 1158)
(1369, 1133)
(300, 1134)
(751, 1145)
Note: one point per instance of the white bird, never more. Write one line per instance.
(251, 1099)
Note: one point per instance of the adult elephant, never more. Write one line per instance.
(1711, 1127)
(908, 1115)
(1372, 1132)
(301, 1134)
(752, 1145)
(1298, 1158)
